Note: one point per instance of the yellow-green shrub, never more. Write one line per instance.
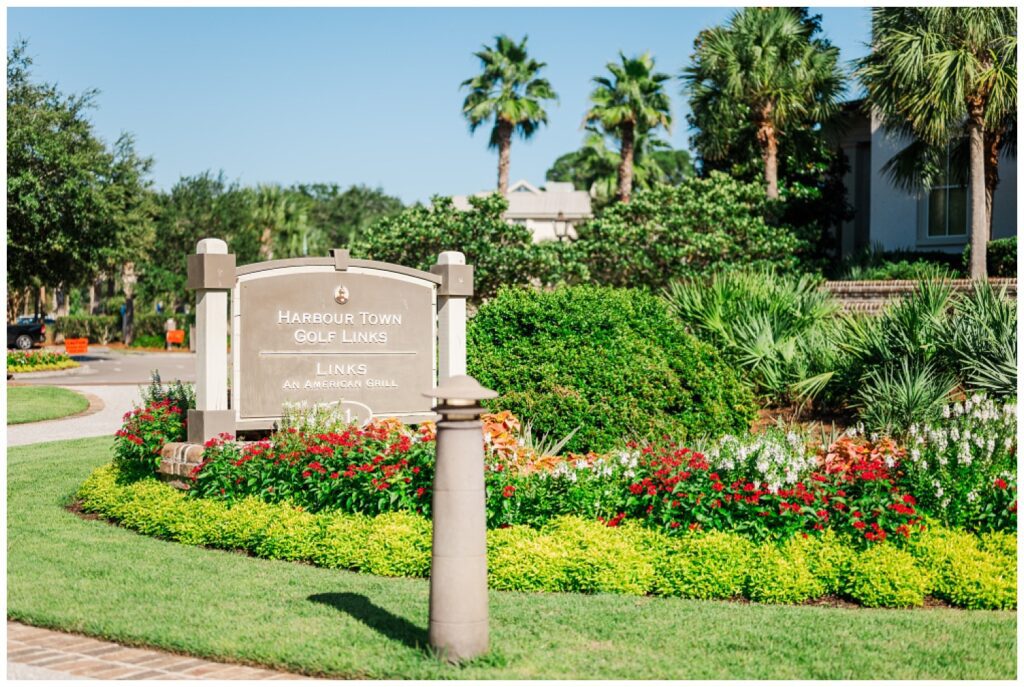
(781, 573)
(398, 545)
(703, 566)
(343, 543)
(886, 576)
(968, 571)
(293, 535)
(520, 558)
(597, 558)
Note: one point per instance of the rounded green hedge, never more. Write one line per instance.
(611, 362)
(571, 554)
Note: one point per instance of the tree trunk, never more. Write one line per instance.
(768, 139)
(267, 244)
(504, 155)
(92, 297)
(128, 279)
(979, 218)
(992, 141)
(626, 163)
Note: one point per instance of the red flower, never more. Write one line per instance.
(1000, 483)
(334, 475)
(718, 486)
(909, 500)
(858, 524)
(420, 492)
(636, 488)
(508, 491)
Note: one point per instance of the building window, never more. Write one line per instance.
(947, 207)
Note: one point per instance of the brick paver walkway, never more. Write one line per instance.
(33, 652)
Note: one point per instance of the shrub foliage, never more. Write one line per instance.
(611, 362)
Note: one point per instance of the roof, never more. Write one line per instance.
(526, 201)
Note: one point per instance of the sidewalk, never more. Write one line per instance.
(37, 654)
(117, 400)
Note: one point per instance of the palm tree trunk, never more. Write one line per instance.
(992, 141)
(626, 163)
(769, 140)
(504, 155)
(979, 218)
(266, 244)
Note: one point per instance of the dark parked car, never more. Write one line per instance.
(24, 334)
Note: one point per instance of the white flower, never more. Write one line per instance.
(972, 496)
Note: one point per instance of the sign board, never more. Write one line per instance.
(176, 336)
(76, 346)
(312, 330)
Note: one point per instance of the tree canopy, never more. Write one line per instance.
(74, 206)
(510, 93)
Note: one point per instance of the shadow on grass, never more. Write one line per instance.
(376, 618)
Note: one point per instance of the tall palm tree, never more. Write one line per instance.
(631, 102)
(605, 163)
(509, 92)
(762, 69)
(935, 71)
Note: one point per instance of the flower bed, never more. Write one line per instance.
(574, 554)
(38, 361)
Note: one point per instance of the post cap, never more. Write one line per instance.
(461, 388)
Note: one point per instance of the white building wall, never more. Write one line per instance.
(897, 217)
(893, 212)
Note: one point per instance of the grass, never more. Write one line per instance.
(98, 579)
(35, 403)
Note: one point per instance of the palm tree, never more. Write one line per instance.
(632, 102)
(508, 91)
(936, 71)
(605, 163)
(762, 69)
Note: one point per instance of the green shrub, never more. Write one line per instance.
(344, 542)
(501, 253)
(148, 341)
(780, 330)
(885, 576)
(703, 566)
(781, 574)
(100, 329)
(398, 545)
(612, 362)
(1001, 257)
(969, 572)
(596, 558)
(673, 232)
(521, 558)
(828, 558)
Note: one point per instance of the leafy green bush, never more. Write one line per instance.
(1001, 258)
(892, 398)
(885, 576)
(148, 341)
(573, 554)
(101, 329)
(672, 232)
(969, 572)
(501, 253)
(709, 565)
(611, 362)
(780, 330)
(979, 339)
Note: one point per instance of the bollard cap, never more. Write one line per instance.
(460, 388)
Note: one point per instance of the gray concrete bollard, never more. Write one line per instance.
(458, 626)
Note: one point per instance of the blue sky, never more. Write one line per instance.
(348, 95)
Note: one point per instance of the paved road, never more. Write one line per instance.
(116, 400)
(112, 366)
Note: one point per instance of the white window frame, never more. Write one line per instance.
(923, 238)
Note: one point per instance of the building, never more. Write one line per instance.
(550, 213)
(885, 215)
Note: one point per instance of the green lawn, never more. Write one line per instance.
(101, 580)
(35, 403)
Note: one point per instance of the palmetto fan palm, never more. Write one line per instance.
(762, 69)
(936, 71)
(509, 93)
(646, 170)
(633, 101)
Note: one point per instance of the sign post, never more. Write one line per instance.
(211, 273)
